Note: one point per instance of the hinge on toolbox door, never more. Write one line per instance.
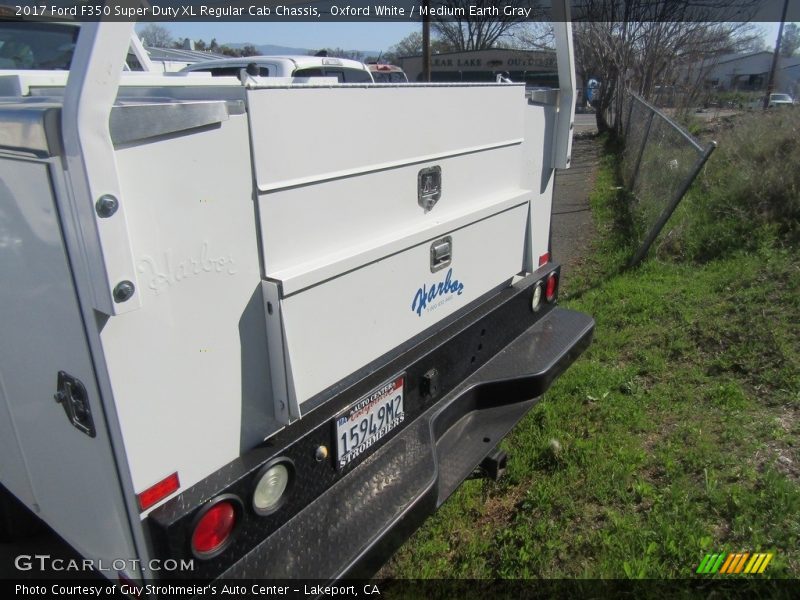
(286, 406)
(71, 395)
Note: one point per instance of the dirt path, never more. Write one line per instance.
(572, 226)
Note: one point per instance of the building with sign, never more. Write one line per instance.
(534, 67)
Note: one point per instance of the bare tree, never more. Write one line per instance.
(534, 36)
(156, 36)
(640, 44)
(790, 42)
(750, 42)
(411, 45)
(493, 22)
(701, 52)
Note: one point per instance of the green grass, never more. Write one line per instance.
(674, 435)
(748, 195)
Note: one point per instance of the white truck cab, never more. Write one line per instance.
(343, 69)
(241, 335)
(383, 73)
(37, 46)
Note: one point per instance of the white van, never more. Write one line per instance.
(345, 70)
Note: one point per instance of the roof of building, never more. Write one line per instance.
(788, 63)
(723, 59)
(509, 50)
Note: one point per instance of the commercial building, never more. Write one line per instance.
(534, 67)
(745, 72)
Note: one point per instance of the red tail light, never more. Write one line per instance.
(213, 529)
(551, 288)
(544, 259)
(156, 493)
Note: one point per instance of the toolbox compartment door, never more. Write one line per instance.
(325, 332)
(338, 185)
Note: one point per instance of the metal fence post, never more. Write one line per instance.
(630, 112)
(646, 135)
(670, 208)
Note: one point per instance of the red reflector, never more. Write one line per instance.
(214, 528)
(544, 259)
(159, 491)
(552, 286)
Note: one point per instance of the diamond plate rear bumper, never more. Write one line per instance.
(350, 529)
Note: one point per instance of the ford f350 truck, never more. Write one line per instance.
(242, 331)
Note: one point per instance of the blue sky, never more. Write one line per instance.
(351, 36)
(770, 32)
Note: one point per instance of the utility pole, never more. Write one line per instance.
(775, 57)
(426, 41)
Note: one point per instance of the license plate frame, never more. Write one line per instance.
(368, 420)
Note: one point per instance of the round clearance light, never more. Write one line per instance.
(214, 527)
(552, 287)
(536, 301)
(272, 487)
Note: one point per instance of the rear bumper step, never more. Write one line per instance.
(384, 500)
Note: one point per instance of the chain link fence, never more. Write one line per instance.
(660, 162)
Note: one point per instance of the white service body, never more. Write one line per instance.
(276, 242)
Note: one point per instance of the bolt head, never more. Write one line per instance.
(123, 291)
(321, 453)
(106, 206)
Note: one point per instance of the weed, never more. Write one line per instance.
(748, 195)
(674, 435)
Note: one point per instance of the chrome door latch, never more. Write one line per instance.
(429, 187)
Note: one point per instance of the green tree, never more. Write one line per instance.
(248, 50)
(228, 51)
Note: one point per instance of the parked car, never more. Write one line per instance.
(780, 100)
(775, 100)
(387, 73)
(345, 70)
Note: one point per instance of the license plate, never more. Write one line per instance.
(368, 420)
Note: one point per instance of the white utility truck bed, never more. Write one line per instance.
(281, 334)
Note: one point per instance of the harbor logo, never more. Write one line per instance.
(429, 298)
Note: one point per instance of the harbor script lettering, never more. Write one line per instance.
(442, 289)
